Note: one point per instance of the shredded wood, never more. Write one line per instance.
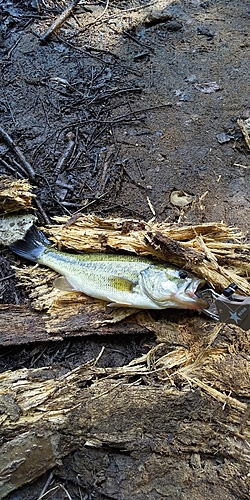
(245, 129)
(15, 195)
(204, 362)
(221, 256)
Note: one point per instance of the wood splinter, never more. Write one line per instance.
(244, 126)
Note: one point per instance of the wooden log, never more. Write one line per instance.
(20, 324)
(163, 412)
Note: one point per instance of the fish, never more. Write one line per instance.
(120, 280)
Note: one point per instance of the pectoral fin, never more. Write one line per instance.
(61, 283)
(121, 284)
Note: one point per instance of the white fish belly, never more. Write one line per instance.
(105, 291)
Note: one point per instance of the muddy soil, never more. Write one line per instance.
(123, 104)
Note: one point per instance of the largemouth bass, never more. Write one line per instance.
(121, 280)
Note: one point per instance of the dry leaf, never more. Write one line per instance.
(181, 199)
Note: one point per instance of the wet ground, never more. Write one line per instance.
(123, 104)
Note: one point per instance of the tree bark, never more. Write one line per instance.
(20, 324)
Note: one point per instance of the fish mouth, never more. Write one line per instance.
(193, 293)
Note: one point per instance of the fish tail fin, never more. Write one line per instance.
(32, 245)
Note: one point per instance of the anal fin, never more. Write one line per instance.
(61, 283)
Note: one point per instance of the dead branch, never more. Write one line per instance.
(30, 171)
(70, 137)
(58, 21)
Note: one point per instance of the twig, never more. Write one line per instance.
(46, 485)
(103, 181)
(120, 118)
(11, 168)
(41, 210)
(143, 110)
(80, 49)
(18, 152)
(10, 109)
(242, 166)
(64, 185)
(97, 18)
(126, 33)
(125, 171)
(65, 491)
(98, 356)
(62, 206)
(54, 489)
(21, 169)
(93, 201)
(77, 157)
(150, 205)
(76, 142)
(13, 47)
(92, 138)
(96, 162)
(64, 158)
(139, 168)
(78, 213)
(87, 52)
(70, 204)
(113, 93)
(113, 16)
(7, 277)
(91, 82)
(131, 9)
(58, 22)
(89, 48)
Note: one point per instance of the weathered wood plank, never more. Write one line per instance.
(20, 324)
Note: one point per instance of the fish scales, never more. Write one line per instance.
(99, 269)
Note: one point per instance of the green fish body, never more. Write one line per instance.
(121, 280)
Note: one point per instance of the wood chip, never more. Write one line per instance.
(15, 195)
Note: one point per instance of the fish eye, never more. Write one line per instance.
(183, 274)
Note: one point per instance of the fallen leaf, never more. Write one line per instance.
(181, 199)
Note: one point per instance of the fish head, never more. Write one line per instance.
(171, 287)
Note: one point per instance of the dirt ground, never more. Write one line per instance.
(123, 104)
